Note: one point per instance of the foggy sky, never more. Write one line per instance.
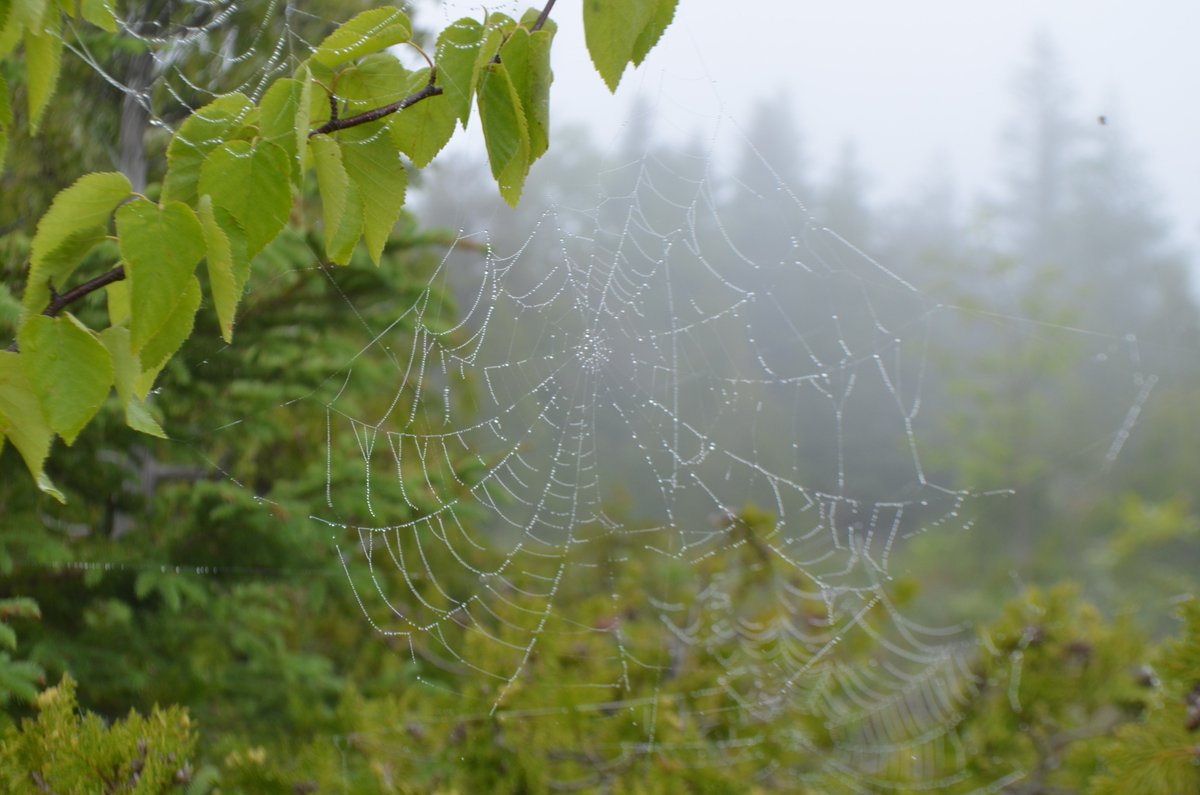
(916, 85)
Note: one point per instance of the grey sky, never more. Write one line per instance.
(913, 83)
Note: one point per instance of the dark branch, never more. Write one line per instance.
(71, 296)
(430, 90)
(333, 125)
(542, 17)
(537, 25)
(60, 302)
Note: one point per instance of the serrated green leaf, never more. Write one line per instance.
(14, 22)
(421, 130)
(527, 58)
(161, 247)
(496, 30)
(371, 31)
(117, 297)
(222, 280)
(43, 60)
(29, 13)
(10, 36)
(69, 369)
(76, 221)
(662, 12)
(376, 173)
(221, 120)
(457, 52)
(139, 418)
(277, 119)
(100, 13)
(27, 428)
(170, 337)
(252, 184)
(340, 203)
(504, 131)
(127, 370)
(303, 121)
(375, 81)
(611, 30)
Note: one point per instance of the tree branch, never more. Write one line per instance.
(61, 302)
(333, 125)
(542, 17)
(430, 90)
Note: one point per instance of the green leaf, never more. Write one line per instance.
(496, 31)
(100, 13)
(10, 36)
(223, 275)
(76, 221)
(69, 369)
(43, 60)
(219, 121)
(26, 427)
(662, 12)
(457, 52)
(504, 131)
(373, 165)
(340, 202)
(527, 58)
(30, 13)
(117, 296)
(370, 31)
(277, 119)
(303, 119)
(139, 418)
(126, 372)
(421, 130)
(252, 184)
(22, 14)
(170, 336)
(373, 82)
(161, 246)
(611, 29)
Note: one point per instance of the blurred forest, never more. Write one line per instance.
(182, 625)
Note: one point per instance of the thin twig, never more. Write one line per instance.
(61, 302)
(430, 90)
(542, 17)
(333, 125)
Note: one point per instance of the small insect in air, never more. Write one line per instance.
(1102, 120)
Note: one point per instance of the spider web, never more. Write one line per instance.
(649, 399)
